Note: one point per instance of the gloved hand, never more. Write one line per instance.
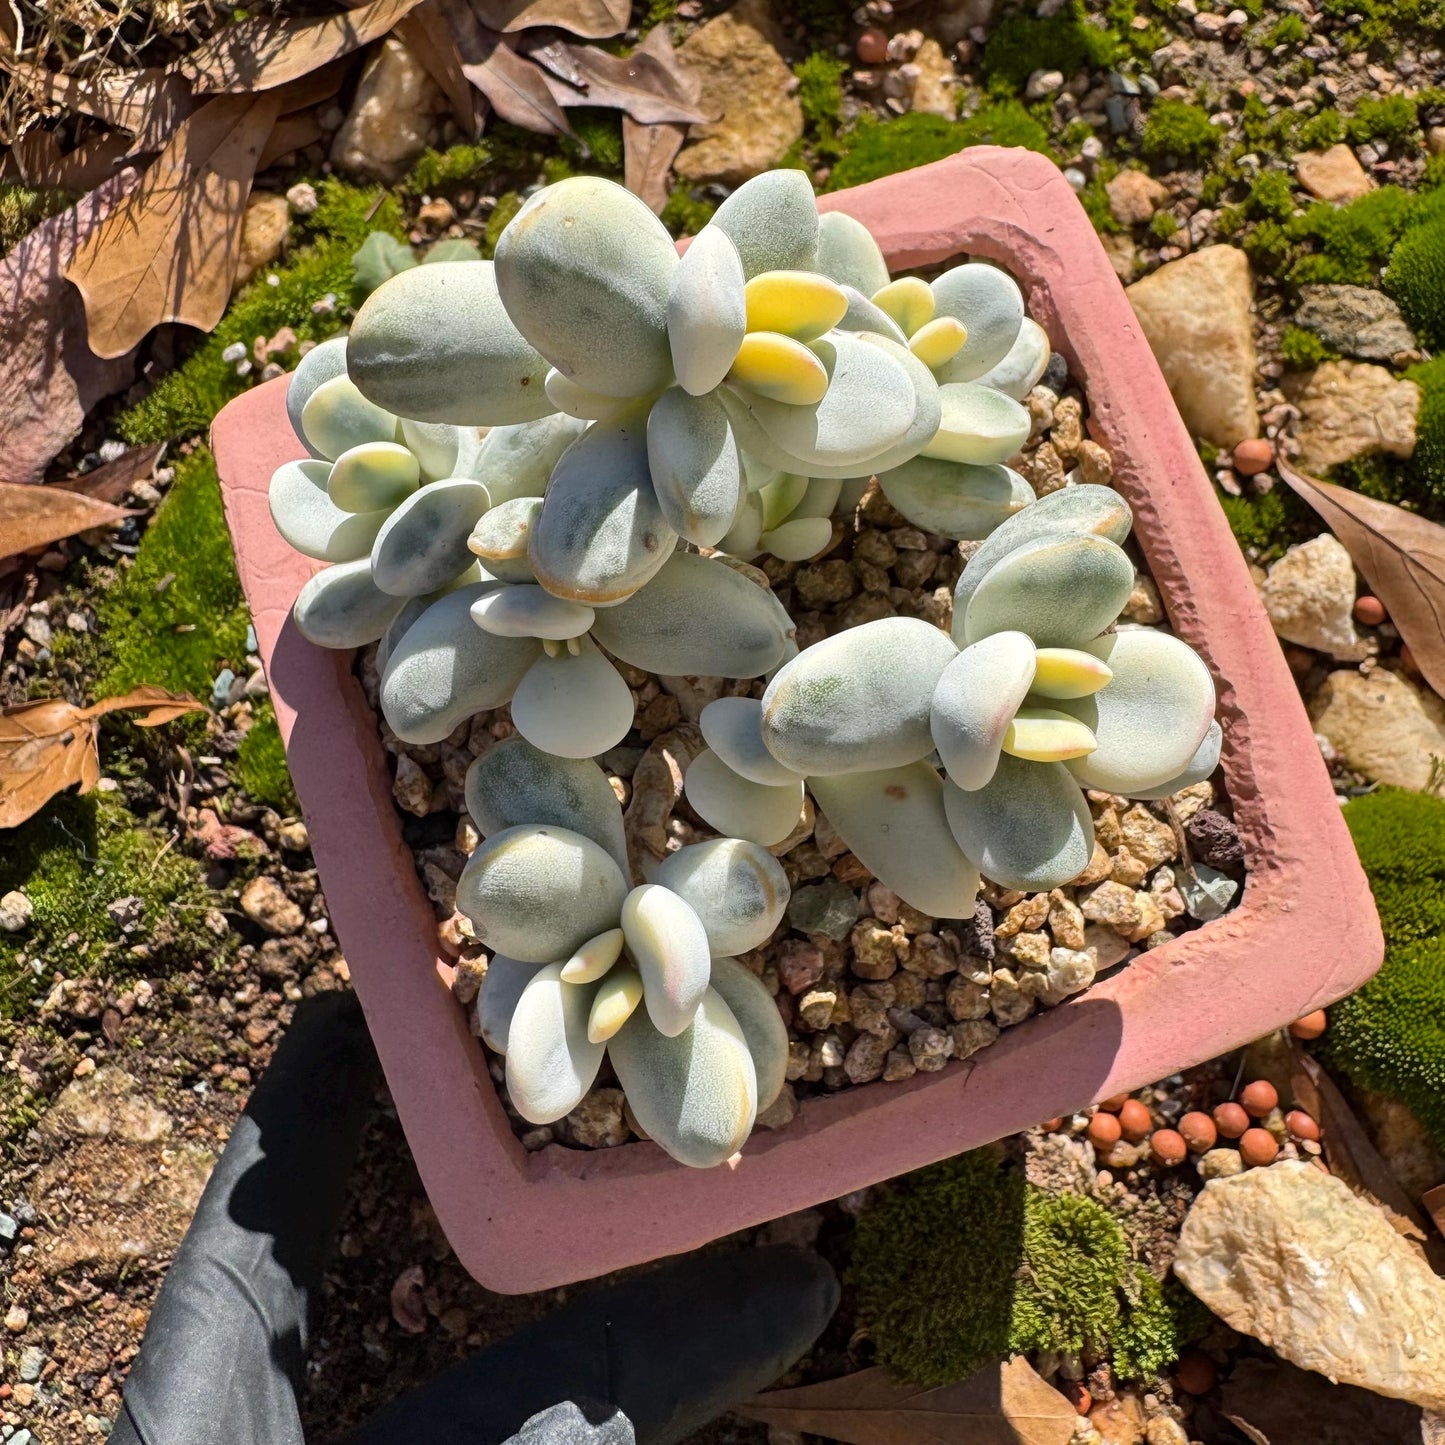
(651, 1359)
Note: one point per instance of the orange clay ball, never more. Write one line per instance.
(872, 47)
(1369, 611)
(1134, 1121)
(1168, 1147)
(1194, 1373)
(1198, 1131)
(1052, 1126)
(1301, 1125)
(1113, 1104)
(1077, 1394)
(1258, 1147)
(1311, 1026)
(1231, 1120)
(1259, 1098)
(1104, 1130)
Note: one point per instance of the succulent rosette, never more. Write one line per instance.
(1030, 701)
(586, 967)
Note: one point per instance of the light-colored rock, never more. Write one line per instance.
(1382, 725)
(107, 1104)
(1357, 320)
(1195, 313)
(1292, 1257)
(1121, 251)
(747, 84)
(934, 81)
(1134, 196)
(1349, 408)
(16, 911)
(1310, 596)
(393, 118)
(1332, 175)
(263, 234)
(264, 902)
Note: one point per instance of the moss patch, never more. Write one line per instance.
(1416, 275)
(1267, 525)
(1067, 41)
(1177, 129)
(22, 208)
(261, 763)
(1303, 350)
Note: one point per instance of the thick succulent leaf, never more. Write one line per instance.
(319, 365)
(526, 610)
(909, 301)
(342, 607)
(601, 533)
(502, 538)
(668, 943)
(1047, 735)
(594, 958)
(1151, 718)
(737, 889)
(939, 341)
(733, 728)
(1100, 511)
(863, 315)
(819, 499)
(955, 499)
(697, 616)
(757, 474)
(373, 476)
(396, 629)
(773, 221)
(551, 1063)
(976, 698)
(445, 668)
(979, 425)
(696, 472)
(579, 403)
(849, 255)
(706, 311)
(761, 813)
(501, 989)
(585, 269)
(1028, 358)
(1063, 590)
(744, 538)
(516, 461)
(1199, 767)
(696, 1095)
(990, 304)
(435, 445)
(800, 304)
(857, 701)
(797, 539)
(893, 821)
(311, 522)
(779, 369)
(337, 417)
(513, 783)
(436, 344)
(1028, 827)
(780, 497)
(614, 1002)
(539, 893)
(1068, 672)
(573, 705)
(762, 1025)
(423, 544)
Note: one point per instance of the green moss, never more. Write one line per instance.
(461, 165)
(507, 206)
(659, 12)
(600, 134)
(1351, 242)
(1289, 29)
(1426, 467)
(1139, 40)
(1094, 198)
(1267, 525)
(820, 94)
(1323, 130)
(1390, 1035)
(1177, 128)
(823, 23)
(23, 208)
(1067, 41)
(1162, 225)
(1303, 350)
(261, 763)
(685, 214)
(1416, 274)
(1392, 119)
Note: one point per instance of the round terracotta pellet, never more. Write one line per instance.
(1198, 1131)
(1134, 1121)
(1311, 1026)
(1259, 1098)
(1104, 1130)
(1258, 1147)
(1253, 456)
(1077, 1394)
(872, 47)
(1114, 1103)
(1194, 1373)
(1168, 1147)
(1301, 1125)
(1369, 611)
(1052, 1126)
(1231, 1120)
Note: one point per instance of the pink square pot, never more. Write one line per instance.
(1305, 934)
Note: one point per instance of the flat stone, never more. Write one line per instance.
(1357, 320)
(828, 908)
(1381, 725)
(935, 81)
(264, 902)
(16, 911)
(1291, 1256)
(1350, 408)
(746, 83)
(263, 234)
(1134, 196)
(1196, 314)
(1310, 597)
(107, 1104)
(1332, 175)
(393, 118)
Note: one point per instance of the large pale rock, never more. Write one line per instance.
(1332, 175)
(1289, 1255)
(1134, 196)
(1310, 594)
(1349, 408)
(392, 119)
(747, 84)
(934, 81)
(263, 233)
(1357, 320)
(1195, 313)
(1382, 725)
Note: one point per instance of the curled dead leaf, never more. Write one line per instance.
(591, 19)
(516, 89)
(648, 151)
(33, 517)
(110, 481)
(642, 84)
(427, 35)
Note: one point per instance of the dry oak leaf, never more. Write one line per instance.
(260, 54)
(648, 151)
(1401, 556)
(36, 516)
(427, 35)
(1002, 1404)
(516, 89)
(146, 104)
(46, 746)
(641, 84)
(110, 481)
(591, 19)
(169, 251)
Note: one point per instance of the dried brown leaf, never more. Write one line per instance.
(642, 84)
(33, 517)
(1274, 1403)
(41, 162)
(1003, 1404)
(590, 19)
(147, 104)
(290, 133)
(268, 51)
(45, 747)
(110, 481)
(427, 35)
(169, 251)
(515, 88)
(648, 151)
(1401, 556)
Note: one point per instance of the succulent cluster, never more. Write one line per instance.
(523, 469)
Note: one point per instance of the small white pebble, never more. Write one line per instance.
(236, 351)
(112, 451)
